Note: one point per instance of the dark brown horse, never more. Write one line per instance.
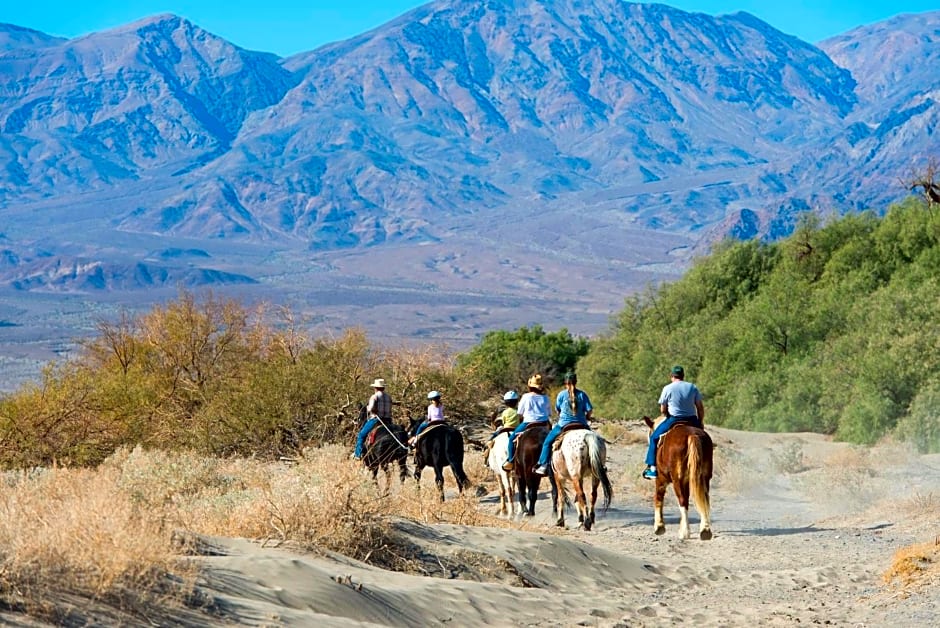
(526, 457)
(683, 459)
(388, 444)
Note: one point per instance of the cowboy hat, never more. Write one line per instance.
(378, 383)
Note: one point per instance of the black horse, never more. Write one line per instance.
(528, 450)
(439, 446)
(390, 445)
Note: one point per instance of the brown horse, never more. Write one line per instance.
(528, 449)
(684, 459)
(581, 455)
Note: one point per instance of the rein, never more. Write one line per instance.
(391, 433)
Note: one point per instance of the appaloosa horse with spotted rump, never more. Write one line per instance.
(580, 456)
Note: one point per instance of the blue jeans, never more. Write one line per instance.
(662, 429)
(361, 439)
(547, 445)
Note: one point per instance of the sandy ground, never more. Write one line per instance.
(804, 530)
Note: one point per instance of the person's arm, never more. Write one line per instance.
(701, 411)
(370, 406)
(664, 409)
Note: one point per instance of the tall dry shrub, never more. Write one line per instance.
(68, 532)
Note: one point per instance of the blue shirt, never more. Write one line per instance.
(563, 407)
(680, 397)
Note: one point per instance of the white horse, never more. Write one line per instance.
(581, 456)
(497, 457)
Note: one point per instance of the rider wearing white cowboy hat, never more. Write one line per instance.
(379, 410)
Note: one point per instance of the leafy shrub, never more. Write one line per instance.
(921, 426)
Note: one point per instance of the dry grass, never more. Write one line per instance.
(624, 433)
(68, 532)
(915, 567)
(113, 532)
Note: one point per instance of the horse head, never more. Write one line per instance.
(652, 423)
(361, 416)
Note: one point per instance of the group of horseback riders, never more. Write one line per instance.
(680, 402)
(534, 408)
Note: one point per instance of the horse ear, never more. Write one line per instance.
(648, 421)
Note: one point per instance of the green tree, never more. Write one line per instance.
(505, 359)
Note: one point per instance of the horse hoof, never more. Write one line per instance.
(660, 530)
(705, 535)
(560, 523)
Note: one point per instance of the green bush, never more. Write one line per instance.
(921, 426)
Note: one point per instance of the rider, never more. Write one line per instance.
(573, 406)
(379, 410)
(435, 414)
(534, 407)
(509, 418)
(680, 402)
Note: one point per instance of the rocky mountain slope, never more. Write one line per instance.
(480, 150)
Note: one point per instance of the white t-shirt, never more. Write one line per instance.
(534, 407)
(435, 412)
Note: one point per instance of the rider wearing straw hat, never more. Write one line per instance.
(379, 410)
(535, 407)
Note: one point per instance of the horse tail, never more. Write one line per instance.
(597, 453)
(453, 450)
(699, 476)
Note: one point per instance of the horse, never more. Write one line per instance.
(497, 457)
(684, 459)
(388, 444)
(438, 446)
(528, 449)
(581, 455)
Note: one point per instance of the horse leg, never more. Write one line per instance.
(503, 482)
(580, 501)
(457, 468)
(558, 499)
(388, 479)
(439, 480)
(533, 494)
(682, 494)
(521, 489)
(595, 482)
(402, 469)
(659, 527)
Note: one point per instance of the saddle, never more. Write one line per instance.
(529, 426)
(571, 427)
(431, 426)
(371, 436)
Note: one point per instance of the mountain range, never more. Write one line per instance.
(470, 164)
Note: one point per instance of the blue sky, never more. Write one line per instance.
(289, 26)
